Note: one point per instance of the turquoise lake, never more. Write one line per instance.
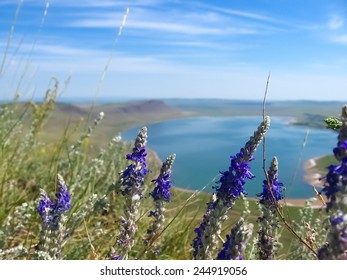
(203, 146)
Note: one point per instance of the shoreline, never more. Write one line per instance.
(311, 174)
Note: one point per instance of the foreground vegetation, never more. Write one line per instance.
(91, 171)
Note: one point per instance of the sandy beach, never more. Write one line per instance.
(312, 177)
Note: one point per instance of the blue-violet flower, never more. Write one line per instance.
(235, 245)
(132, 181)
(230, 189)
(161, 195)
(50, 211)
(268, 222)
(336, 191)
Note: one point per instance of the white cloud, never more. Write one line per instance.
(336, 22)
(243, 14)
(60, 50)
(205, 23)
(187, 28)
(342, 39)
(205, 17)
(167, 27)
(86, 3)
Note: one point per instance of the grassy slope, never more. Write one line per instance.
(118, 116)
(322, 163)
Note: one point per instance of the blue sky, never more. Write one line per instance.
(194, 49)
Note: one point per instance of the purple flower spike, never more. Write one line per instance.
(272, 188)
(44, 207)
(62, 203)
(230, 189)
(161, 195)
(336, 191)
(133, 177)
(132, 181)
(268, 223)
(235, 245)
(232, 181)
(161, 191)
(51, 212)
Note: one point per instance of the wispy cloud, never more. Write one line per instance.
(341, 39)
(270, 22)
(188, 28)
(184, 22)
(337, 30)
(243, 14)
(61, 50)
(193, 45)
(87, 3)
(336, 22)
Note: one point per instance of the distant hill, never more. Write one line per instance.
(120, 111)
(123, 115)
(306, 112)
(149, 107)
(118, 116)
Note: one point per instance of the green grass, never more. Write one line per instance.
(323, 162)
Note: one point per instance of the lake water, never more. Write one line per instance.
(203, 146)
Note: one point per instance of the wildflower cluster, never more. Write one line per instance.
(235, 245)
(232, 181)
(231, 188)
(54, 234)
(51, 212)
(133, 177)
(161, 192)
(268, 222)
(132, 181)
(161, 195)
(336, 191)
